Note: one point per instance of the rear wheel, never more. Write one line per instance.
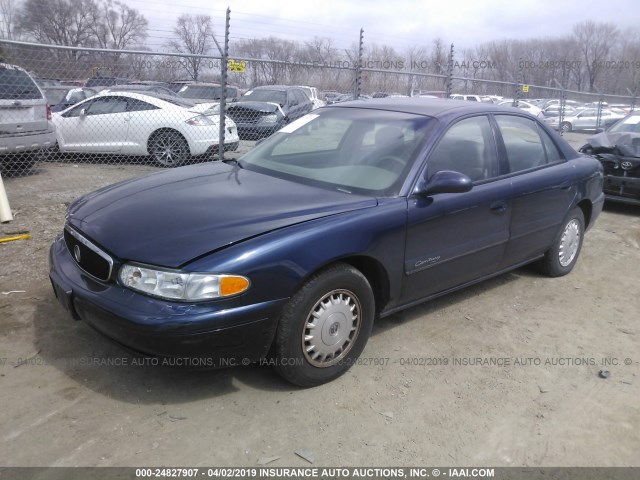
(563, 254)
(324, 327)
(168, 148)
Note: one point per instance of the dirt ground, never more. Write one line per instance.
(505, 373)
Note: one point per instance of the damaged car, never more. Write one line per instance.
(618, 149)
(263, 111)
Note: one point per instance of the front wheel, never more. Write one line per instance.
(565, 127)
(563, 254)
(324, 327)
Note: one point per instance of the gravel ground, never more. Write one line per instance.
(501, 374)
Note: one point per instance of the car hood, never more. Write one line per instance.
(627, 144)
(170, 218)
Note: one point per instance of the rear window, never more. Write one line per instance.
(16, 84)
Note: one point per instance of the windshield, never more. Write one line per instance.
(630, 124)
(265, 95)
(360, 151)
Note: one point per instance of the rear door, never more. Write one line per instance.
(543, 189)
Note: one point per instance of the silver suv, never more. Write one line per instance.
(25, 118)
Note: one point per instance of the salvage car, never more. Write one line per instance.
(264, 110)
(349, 214)
(169, 129)
(618, 149)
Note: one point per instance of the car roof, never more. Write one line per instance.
(432, 107)
(274, 87)
(145, 95)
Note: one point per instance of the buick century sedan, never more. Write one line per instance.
(345, 216)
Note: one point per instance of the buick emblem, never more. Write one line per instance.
(626, 165)
(76, 253)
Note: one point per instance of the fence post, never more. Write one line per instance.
(358, 86)
(518, 85)
(5, 210)
(600, 102)
(633, 100)
(563, 102)
(448, 82)
(224, 66)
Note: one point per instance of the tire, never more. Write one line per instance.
(316, 341)
(565, 127)
(168, 148)
(563, 254)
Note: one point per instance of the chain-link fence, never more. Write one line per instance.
(81, 106)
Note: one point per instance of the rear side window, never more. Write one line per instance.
(16, 85)
(522, 142)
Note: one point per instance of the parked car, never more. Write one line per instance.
(105, 81)
(587, 120)
(142, 88)
(25, 119)
(62, 97)
(352, 213)
(524, 105)
(312, 93)
(201, 92)
(347, 97)
(328, 95)
(471, 98)
(263, 111)
(554, 111)
(168, 129)
(618, 149)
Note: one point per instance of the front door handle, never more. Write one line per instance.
(499, 207)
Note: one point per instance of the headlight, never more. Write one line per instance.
(201, 121)
(269, 119)
(176, 285)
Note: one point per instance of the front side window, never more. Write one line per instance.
(467, 147)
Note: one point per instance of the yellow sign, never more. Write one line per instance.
(525, 88)
(237, 66)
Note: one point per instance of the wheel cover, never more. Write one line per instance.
(331, 328)
(569, 243)
(168, 149)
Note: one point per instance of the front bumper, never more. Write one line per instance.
(211, 333)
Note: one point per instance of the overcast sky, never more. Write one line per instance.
(399, 23)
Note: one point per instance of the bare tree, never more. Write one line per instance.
(596, 40)
(194, 34)
(60, 22)
(8, 16)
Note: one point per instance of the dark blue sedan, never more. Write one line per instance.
(346, 215)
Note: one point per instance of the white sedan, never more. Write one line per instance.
(168, 129)
(526, 106)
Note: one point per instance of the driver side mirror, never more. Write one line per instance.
(448, 181)
(83, 113)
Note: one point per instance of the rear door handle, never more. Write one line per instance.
(499, 207)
